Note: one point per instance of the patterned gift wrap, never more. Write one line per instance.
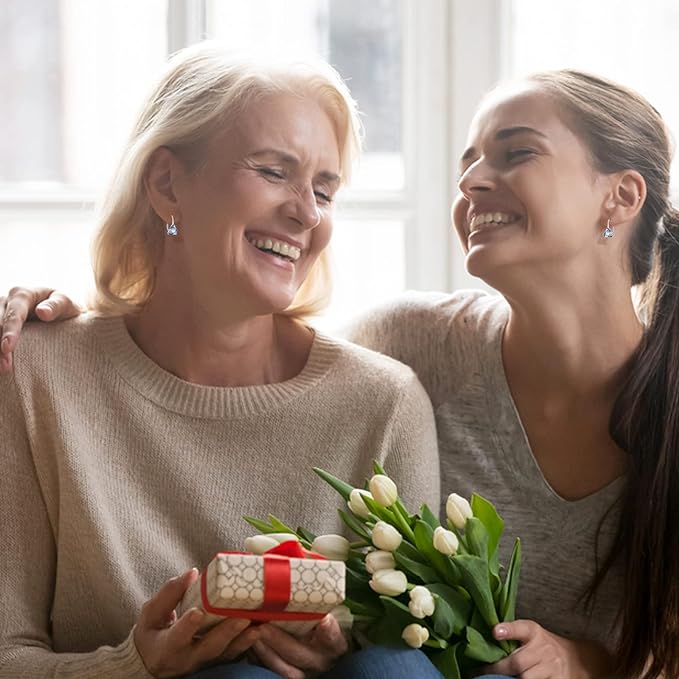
(287, 586)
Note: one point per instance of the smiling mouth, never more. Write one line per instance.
(280, 249)
(488, 220)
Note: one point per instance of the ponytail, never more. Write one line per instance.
(645, 423)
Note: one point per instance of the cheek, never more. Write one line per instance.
(458, 215)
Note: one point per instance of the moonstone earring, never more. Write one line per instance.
(609, 230)
(171, 228)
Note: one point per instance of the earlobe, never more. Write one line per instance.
(159, 180)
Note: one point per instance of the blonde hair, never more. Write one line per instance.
(203, 89)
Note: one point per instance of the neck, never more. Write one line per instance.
(213, 347)
(569, 342)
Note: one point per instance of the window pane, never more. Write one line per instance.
(362, 40)
(368, 267)
(634, 43)
(75, 72)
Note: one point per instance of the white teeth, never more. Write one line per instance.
(290, 251)
(492, 217)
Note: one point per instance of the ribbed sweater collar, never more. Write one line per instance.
(195, 400)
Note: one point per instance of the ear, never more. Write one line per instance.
(628, 193)
(162, 173)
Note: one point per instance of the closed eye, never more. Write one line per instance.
(271, 173)
(323, 197)
(519, 154)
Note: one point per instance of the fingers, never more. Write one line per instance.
(56, 307)
(288, 656)
(228, 639)
(269, 658)
(519, 630)
(328, 634)
(523, 660)
(157, 611)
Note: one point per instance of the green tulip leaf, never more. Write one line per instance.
(367, 608)
(378, 469)
(394, 606)
(412, 553)
(446, 662)
(487, 514)
(479, 648)
(414, 568)
(476, 537)
(429, 517)
(454, 603)
(306, 535)
(354, 524)
(424, 541)
(474, 573)
(279, 526)
(382, 513)
(511, 585)
(343, 488)
(261, 526)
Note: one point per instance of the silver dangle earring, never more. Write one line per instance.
(609, 230)
(171, 228)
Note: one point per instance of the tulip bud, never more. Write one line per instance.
(445, 541)
(379, 560)
(356, 504)
(282, 537)
(421, 602)
(258, 544)
(458, 510)
(415, 635)
(389, 581)
(385, 536)
(333, 547)
(383, 489)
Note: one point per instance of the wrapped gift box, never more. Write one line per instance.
(287, 586)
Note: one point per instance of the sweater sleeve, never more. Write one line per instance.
(411, 448)
(29, 566)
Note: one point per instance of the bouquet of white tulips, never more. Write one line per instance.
(411, 580)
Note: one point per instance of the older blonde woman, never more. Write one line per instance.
(135, 438)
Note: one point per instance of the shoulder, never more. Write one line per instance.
(51, 347)
(370, 367)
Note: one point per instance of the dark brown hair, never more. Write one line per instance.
(623, 131)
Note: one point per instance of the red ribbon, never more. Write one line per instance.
(276, 586)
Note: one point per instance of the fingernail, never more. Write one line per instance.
(4, 345)
(197, 615)
(500, 632)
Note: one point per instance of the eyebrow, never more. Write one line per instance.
(506, 133)
(289, 159)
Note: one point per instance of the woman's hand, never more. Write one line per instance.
(24, 303)
(168, 645)
(301, 658)
(543, 654)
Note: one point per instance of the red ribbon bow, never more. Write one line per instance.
(276, 586)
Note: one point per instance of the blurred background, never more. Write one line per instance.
(76, 71)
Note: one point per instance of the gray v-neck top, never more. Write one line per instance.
(453, 343)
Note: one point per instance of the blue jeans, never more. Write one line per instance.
(375, 662)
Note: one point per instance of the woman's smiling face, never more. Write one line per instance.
(257, 212)
(528, 192)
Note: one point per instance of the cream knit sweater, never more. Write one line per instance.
(118, 476)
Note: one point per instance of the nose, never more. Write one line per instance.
(476, 178)
(304, 208)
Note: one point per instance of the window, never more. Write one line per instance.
(90, 64)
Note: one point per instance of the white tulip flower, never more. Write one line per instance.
(379, 560)
(334, 547)
(389, 582)
(356, 504)
(415, 635)
(458, 510)
(385, 536)
(445, 541)
(383, 489)
(282, 537)
(258, 544)
(421, 603)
